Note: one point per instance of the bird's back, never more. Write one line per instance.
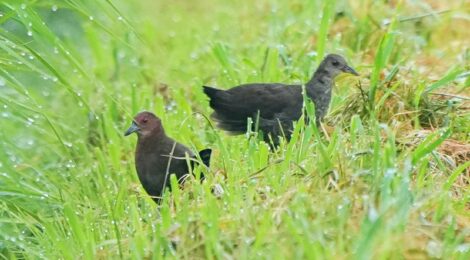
(264, 102)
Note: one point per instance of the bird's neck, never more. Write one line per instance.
(319, 91)
(320, 85)
(151, 142)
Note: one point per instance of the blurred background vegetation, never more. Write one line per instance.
(390, 181)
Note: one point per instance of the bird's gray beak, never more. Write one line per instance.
(349, 70)
(133, 128)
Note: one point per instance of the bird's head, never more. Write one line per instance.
(334, 64)
(145, 124)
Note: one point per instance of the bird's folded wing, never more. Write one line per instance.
(247, 100)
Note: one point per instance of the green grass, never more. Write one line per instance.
(389, 181)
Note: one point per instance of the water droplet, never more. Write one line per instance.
(30, 33)
(54, 8)
(31, 57)
(91, 18)
(29, 121)
(372, 214)
(463, 248)
(434, 249)
(13, 158)
(120, 18)
(23, 6)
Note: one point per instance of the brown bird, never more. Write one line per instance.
(273, 105)
(157, 155)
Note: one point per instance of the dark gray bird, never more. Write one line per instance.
(157, 155)
(274, 105)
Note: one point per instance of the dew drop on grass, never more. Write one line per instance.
(31, 57)
(434, 249)
(121, 55)
(30, 33)
(463, 248)
(120, 18)
(54, 8)
(23, 6)
(91, 18)
(29, 121)
(372, 214)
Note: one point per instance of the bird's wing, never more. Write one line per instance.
(245, 101)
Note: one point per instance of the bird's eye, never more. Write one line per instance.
(145, 120)
(335, 63)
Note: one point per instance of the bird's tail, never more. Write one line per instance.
(219, 98)
(211, 92)
(205, 156)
